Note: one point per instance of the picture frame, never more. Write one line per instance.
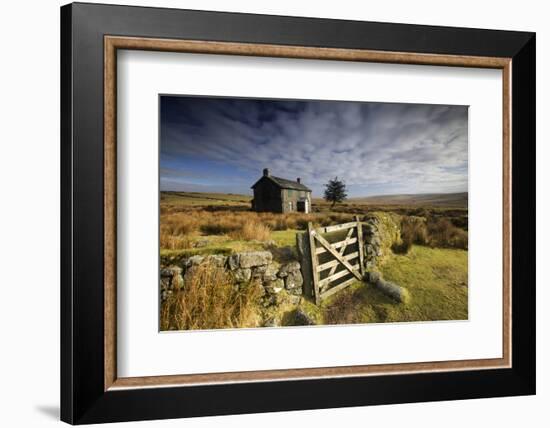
(91, 391)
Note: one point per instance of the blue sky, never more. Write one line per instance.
(212, 144)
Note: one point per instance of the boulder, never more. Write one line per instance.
(274, 287)
(258, 272)
(233, 261)
(164, 283)
(373, 277)
(165, 294)
(170, 271)
(293, 282)
(171, 278)
(254, 258)
(397, 293)
(242, 275)
(271, 270)
(194, 261)
(217, 260)
(177, 282)
(288, 268)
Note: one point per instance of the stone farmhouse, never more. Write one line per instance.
(279, 195)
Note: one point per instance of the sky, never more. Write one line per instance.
(222, 145)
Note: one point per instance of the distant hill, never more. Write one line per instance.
(448, 200)
(203, 198)
(426, 199)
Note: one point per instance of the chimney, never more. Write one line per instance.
(299, 180)
(266, 172)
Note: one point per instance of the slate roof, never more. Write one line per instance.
(283, 183)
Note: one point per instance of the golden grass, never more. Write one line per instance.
(175, 242)
(252, 231)
(444, 234)
(435, 232)
(210, 300)
(181, 228)
(185, 225)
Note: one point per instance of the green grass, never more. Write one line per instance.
(435, 278)
(284, 238)
(222, 244)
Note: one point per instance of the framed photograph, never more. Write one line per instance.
(266, 213)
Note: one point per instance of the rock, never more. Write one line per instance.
(260, 269)
(233, 261)
(261, 290)
(397, 293)
(255, 258)
(271, 300)
(177, 282)
(271, 270)
(168, 272)
(295, 300)
(194, 261)
(301, 318)
(171, 278)
(373, 276)
(242, 275)
(294, 281)
(295, 291)
(289, 267)
(274, 287)
(164, 283)
(258, 273)
(165, 294)
(217, 260)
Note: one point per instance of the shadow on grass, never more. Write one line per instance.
(360, 303)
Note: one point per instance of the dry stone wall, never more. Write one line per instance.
(257, 266)
(380, 232)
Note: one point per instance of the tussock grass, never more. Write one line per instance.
(175, 242)
(435, 232)
(210, 300)
(252, 230)
(443, 233)
(183, 226)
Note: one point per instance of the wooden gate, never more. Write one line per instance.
(335, 262)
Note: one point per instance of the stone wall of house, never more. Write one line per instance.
(257, 266)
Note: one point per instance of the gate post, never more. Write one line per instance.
(314, 273)
(304, 253)
(360, 245)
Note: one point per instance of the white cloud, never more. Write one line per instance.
(376, 148)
